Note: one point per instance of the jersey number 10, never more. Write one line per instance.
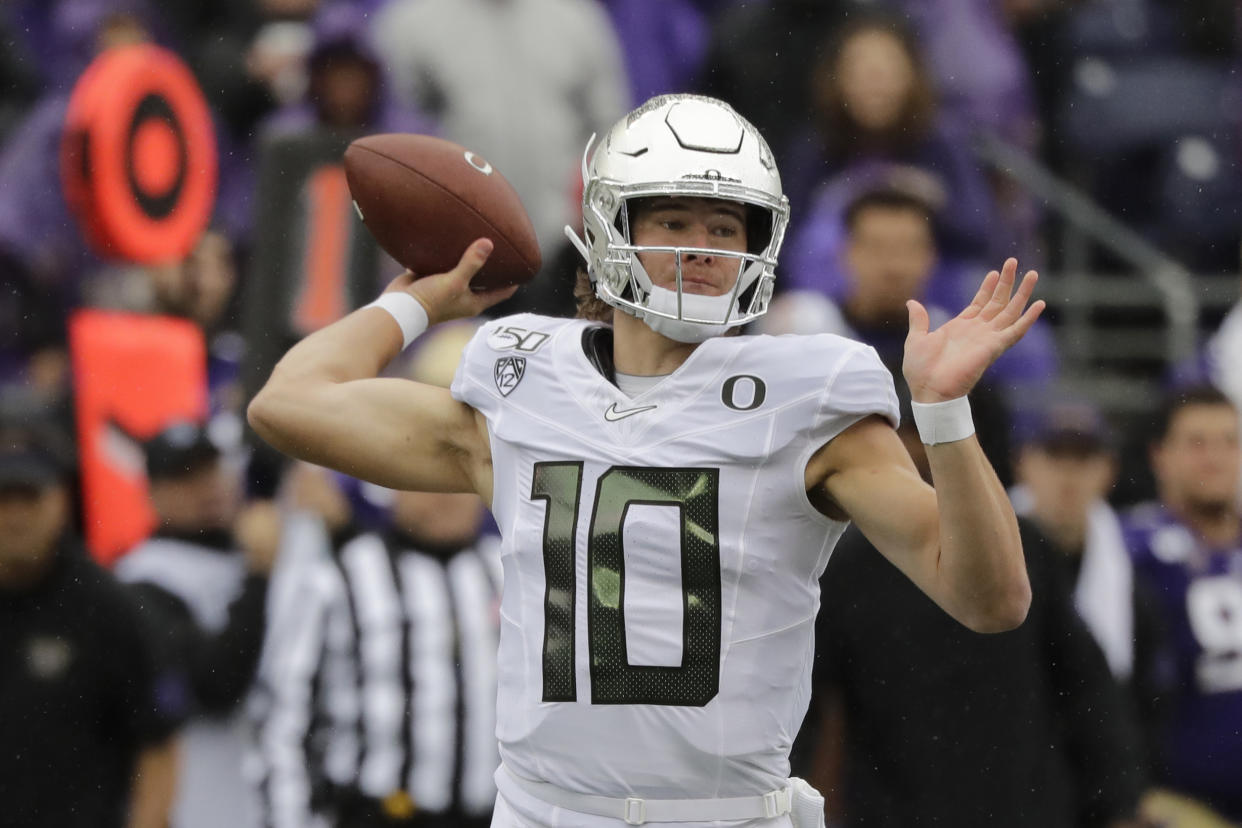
(695, 492)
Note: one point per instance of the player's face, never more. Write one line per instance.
(1064, 485)
(1198, 462)
(876, 77)
(31, 521)
(205, 498)
(692, 222)
(891, 254)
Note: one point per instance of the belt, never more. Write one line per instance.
(635, 810)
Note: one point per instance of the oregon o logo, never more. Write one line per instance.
(478, 163)
(752, 395)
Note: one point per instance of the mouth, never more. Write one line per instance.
(694, 284)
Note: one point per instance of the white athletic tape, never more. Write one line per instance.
(409, 313)
(943, 422)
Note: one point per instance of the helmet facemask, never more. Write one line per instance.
(613, 263)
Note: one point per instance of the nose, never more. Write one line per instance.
(697, 236)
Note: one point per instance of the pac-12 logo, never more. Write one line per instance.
(508, 373)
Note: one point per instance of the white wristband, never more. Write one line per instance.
(409, 313)
(943, 422)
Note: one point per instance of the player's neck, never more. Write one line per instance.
(642, 352)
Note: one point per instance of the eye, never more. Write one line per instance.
(672, 224)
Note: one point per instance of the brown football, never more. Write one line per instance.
(425, 200)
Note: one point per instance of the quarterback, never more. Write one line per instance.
(668, 493)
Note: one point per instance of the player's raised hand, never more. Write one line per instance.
(448, 295)
(946, 363)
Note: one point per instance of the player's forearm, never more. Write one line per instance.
(356, 347)
(981, 563)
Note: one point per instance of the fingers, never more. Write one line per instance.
(1018, 330)
(1013, 310)
(486, 298)
(1004, 287)
(981, 296)
(472, 261)
(919, 320)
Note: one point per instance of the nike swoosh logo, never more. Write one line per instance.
(613, 413)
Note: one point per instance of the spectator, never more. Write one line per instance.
(905, 698)
(873, 107)
(1065, 470)
(199, 288)
(43, 257)
(758, 60)
(889, 256)
(202, 578)
(378, 703)
(872, 98)
(87, 715)
(345, 86)
(1187, 548)
(46, 268)
(522, 82)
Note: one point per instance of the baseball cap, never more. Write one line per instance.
(33, 451)
(1075, 427)
(181, 448)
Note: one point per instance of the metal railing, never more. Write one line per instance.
(1174, 284)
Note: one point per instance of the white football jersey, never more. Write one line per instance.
(661, 557)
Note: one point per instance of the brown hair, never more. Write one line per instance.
(841, 135)
(1181, 398)
(590, 306)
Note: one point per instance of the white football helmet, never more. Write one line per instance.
(681, 145)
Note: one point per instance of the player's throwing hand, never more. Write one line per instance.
(448, 295)
(946, 363)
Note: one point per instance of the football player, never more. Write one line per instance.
(668, 494)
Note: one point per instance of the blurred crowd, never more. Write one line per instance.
(289, 646)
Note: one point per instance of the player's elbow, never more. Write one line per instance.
(260, 415)
(1005, 608)
(267, 414)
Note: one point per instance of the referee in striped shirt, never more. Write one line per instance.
(378, 686)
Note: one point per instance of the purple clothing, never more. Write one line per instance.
(342, 27)
(814, 252)
(36, 227)
(73, 28)
(663, 42)
(981, 76)
(824, 187)
(1023, 375)
(1199, 589)
(388, 117)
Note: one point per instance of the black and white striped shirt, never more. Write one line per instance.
(379, 677)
